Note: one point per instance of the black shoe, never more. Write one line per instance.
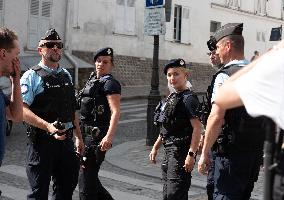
(0, 192)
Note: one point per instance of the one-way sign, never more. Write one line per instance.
(154, 3)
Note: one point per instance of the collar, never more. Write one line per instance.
(237, 62)
(104, 77)
(50, 70)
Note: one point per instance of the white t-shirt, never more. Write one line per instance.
(262, 88)
(222, 77)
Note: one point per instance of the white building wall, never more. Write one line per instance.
(16, 17)
(91, 25)
(95, 22)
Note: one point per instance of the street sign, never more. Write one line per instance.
(154, 22)
(154, 3)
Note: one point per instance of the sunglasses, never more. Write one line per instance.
(51, 45)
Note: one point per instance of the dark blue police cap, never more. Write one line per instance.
(51, 34)
(174, 63)
(107, 51)
(211, 43)
(228, 29)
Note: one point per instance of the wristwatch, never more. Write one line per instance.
(191, 153)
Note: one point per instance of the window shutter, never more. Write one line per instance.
(129, 24)
(1, 12)
(39, 21)
(185, 26)
(119, 16)
(45, 17)
(33, 24)
(125, 18)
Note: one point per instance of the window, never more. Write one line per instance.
(1, 12)
(260, 7)
(39, 21)
(260, 36)
(177, 23)
(125, 17)
(214, 26)
(178, 29)
(282, 9)
(235, 4)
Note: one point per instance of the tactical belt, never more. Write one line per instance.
(175, 141)
(88, 129)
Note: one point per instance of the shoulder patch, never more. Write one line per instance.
(24, 88)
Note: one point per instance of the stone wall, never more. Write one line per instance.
(134, 71)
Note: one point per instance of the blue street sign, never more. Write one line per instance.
(154, 3)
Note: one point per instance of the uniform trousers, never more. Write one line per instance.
(175, 179)
(235, 174)
(210, 176)
(50, 158)
(90, 186)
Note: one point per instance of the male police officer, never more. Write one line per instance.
(239, 146)
(49, 96)
(215, 62)
(261, 95)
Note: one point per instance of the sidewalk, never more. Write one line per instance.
(133, 156)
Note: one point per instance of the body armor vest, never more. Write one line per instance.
(94, 106)
(169, 118)
(244, 131)
(57, 101)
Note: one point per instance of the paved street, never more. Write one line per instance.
(126, 172)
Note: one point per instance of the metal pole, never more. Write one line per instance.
(269, 146)
(154, 96)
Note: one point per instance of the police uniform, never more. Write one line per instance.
(50, 94)
(173, 116)
(211, 44)
(95, 120)
(239, 146)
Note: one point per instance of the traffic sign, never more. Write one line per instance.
(154, 22)
(154, 3)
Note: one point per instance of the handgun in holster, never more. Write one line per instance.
(92, 147)
(31, 133)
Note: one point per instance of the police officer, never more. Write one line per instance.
(245, 88)
(49, 112)
(216, 63)
(99, 103)
(180, 133)
(239, 146)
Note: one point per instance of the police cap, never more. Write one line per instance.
(107, 51)
(173, 64)
(211, 43)
(51, 34)
(228, 29)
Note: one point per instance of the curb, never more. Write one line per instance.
(117, 156)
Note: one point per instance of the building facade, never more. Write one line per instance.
(120, 24)
(87, 25)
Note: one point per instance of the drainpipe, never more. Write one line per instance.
(68, 51)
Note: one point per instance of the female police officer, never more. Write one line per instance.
(100, 111)
(180, 133)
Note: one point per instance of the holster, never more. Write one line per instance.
(32, 134)
(222, 145)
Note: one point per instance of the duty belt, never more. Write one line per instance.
(88, 129)
(175, 141)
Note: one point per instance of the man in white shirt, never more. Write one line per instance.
(259, 87)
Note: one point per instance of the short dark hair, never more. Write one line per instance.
(237, 41)
(7, 38)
